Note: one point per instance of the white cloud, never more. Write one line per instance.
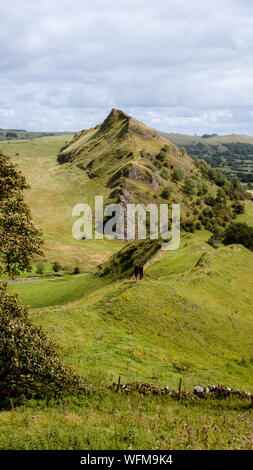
(177, 65)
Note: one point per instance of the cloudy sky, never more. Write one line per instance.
(178, 65)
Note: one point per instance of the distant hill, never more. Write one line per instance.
(232, 153)
(17, 134)
(132, 163)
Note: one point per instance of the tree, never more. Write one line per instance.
(239, 233)
(29, 361)
(20, 240)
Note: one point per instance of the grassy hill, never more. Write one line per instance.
(194, 309)
(130, 163)
(191, 318)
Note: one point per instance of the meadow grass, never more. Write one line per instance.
(105, 420)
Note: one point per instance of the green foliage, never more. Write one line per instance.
(76, 270)
(182, 152)
(202, 189)
(57, 267)
(166, 192)
(19, 238)
(221, 195)
(165, 174)
(238, 208)
(239, 233)
(40, 269)
(190, 186)
(177, 175)
(29, 362)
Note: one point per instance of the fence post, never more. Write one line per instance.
(118, 386)
(179, 388)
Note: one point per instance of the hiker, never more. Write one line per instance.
(136, 272)
(141, 272)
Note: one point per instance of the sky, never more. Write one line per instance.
(178, 65)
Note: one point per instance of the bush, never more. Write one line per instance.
(190, 186)
(239, 233)
(165, 174)
(76, 270)
(238, 208)
(56, 267)
(29, 362)
(166, 192)
(177, 175)
(40, 269)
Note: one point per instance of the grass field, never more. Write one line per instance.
(104, 420)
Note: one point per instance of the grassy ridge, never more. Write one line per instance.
(191, 316)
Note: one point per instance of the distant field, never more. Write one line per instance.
(232, 153)
(184, 139)
(13, 134)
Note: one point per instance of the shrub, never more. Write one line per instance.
(165, 173)
(29, 361)
(76, 270)
(166, 192)
(177, 175)
(239, 233)
(56, 267)
(40, 269)
(238, 208)
(190, 186)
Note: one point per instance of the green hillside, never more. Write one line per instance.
(194, 309)
(232, 153)
(190, 318)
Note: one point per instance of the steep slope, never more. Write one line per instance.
(121, 152)
(130, 163)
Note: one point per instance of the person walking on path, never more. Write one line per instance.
(136, 272)
(141, 272)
